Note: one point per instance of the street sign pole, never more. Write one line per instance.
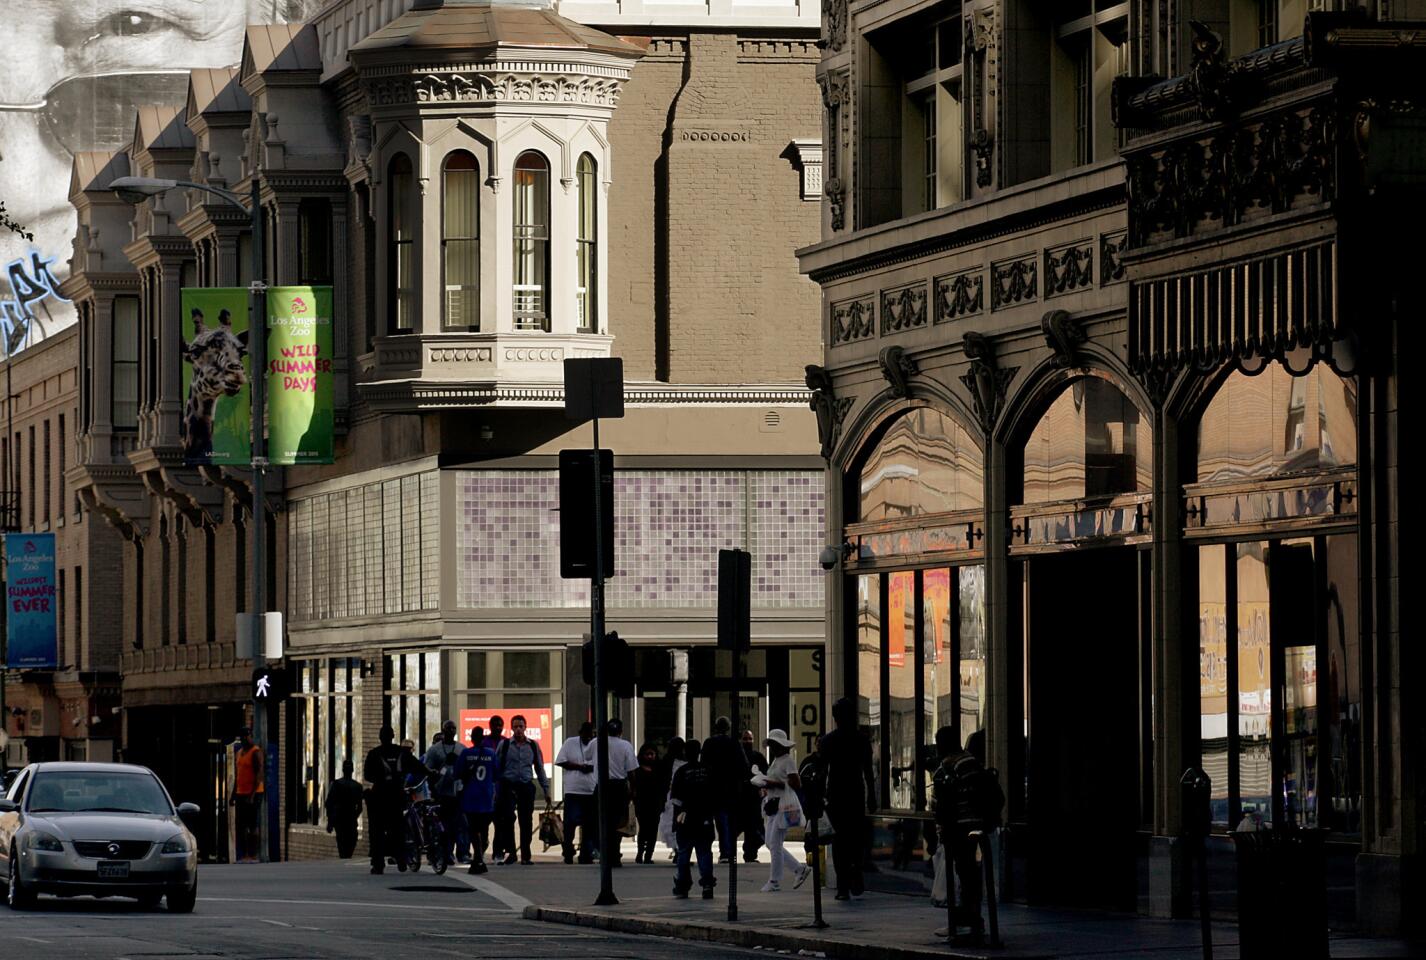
(601, 705)
(595, 387)
(735, 635)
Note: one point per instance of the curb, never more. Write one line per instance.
(749, 936)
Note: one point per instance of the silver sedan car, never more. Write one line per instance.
(96, 829)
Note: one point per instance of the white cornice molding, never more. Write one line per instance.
(409, 395)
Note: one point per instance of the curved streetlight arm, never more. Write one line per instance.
(138, 189)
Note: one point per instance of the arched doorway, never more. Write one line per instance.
(1271, 529)
(1080, 485)
(915, 629)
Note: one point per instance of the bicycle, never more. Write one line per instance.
(429, 835)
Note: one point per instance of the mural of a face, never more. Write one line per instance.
(74, 72)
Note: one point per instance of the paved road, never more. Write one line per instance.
(321, 910)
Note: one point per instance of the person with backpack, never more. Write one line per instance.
(476, 772)
(343, 806)
(695, 804)
(518, 764)
(441, 760)
(967, 798)
(386, 768)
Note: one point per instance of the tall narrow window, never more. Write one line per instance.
(403, 230)
(928, 151)
(78, 616)
(59, 503)
(31, 486)
(532, 242)
(314, 220)
(460, 242)
(48, 490)
(60, 638)
(1267, 22)
(588, 253)
(1083, 102)
(124, 385)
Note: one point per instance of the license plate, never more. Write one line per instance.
(114, 870)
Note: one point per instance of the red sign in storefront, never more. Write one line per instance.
(539, 721)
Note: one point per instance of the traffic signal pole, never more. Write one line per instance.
(601, 706)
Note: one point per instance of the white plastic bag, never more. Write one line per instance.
(938, 885)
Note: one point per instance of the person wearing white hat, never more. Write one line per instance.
(781, 807)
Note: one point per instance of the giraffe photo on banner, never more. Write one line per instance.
(216, 371)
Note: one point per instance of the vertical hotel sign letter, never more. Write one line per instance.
(29, 591)
(299, 375)
(216, 411)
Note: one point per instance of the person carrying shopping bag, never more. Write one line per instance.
(782, 809)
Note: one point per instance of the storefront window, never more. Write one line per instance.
(485, 683)
(925, 463)
(869, 655)
(1274, 423)
(415, 697)
(1213, 679)
(327, 712)
(901, 664)
(931, 651)
(1091, 442)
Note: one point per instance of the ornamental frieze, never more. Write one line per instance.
(452, 88)
(853, 320)
(1013, 281)
(903, 308)
(1111, 256)
(960, 295)
(1069, 267)
(1283, 161)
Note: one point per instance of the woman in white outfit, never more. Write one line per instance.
(780, 784)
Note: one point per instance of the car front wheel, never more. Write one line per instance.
(182, 899)
(18, 896)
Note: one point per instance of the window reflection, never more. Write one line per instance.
(924, 463)
(1213, 673)
(1091, 442)
(1341, 691)
(971, 637)
(1275, 423)
(1254, 681)
(901, 685)
(869, 666)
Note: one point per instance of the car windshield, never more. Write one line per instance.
(74, 791)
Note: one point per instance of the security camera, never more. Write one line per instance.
(828, 558)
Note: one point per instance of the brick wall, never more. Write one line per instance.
(703, 283)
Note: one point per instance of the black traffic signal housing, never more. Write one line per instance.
(618, 664)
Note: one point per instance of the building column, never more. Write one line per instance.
(1001, 648)
(341, 302)
(1170, 889)
(170, 327)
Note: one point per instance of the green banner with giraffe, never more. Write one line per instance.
(217, 413)
(299, 375)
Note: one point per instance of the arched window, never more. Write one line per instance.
(587, 256)
(924, 463)
(460, 242)
(532, 242)
(1274, 423)
(1092, 442)
(401, 274)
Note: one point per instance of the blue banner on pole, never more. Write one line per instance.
(30, 594)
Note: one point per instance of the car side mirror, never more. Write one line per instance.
(7, 805)
(188, 811)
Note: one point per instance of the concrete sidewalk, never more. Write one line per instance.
(878, 927)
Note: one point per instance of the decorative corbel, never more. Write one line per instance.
(1062, 335)
(897, 368)
(986, 381)
(830, 410)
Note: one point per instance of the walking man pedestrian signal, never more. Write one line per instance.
(260, 688)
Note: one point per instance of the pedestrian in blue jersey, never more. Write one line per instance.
(476, 770)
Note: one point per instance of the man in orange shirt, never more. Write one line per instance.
(248, 796)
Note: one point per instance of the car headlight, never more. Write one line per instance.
(45, 841)
(176, 844)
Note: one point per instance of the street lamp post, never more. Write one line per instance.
(136, 190)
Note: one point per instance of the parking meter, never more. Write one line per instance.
(1196, 790)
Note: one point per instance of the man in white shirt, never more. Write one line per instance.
(576, 758)
(623, 761)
